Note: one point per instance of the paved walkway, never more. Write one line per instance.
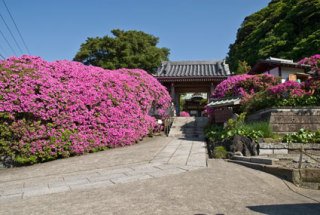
(176, 156)
(163, 156)
(222, 188)
(161, 175)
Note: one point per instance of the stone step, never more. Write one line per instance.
(188, 127)
(260, 160)
(186, 136)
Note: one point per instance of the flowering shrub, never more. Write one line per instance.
(244, 85)
(184, 114)
(227, 87)
(289, 93)
(263, 91)
(50, 110)
(312, 85)
(209, 111)
(313, 61)
(286, 90)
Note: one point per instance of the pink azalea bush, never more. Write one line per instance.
(51, 110)
(263, 91)
(184, 114)
(313, 61)
(313, 84)
(286, 90)
(289, 93)
(227, 87)
(244, 85)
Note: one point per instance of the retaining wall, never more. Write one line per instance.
(285, 148)
(287, 120)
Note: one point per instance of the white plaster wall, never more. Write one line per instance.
(274, 71)
(287, 70)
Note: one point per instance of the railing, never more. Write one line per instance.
(167, 125)
(308, 154)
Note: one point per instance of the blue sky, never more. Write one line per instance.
(191, 29)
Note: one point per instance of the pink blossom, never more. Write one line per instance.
(184, 114)
(244, 85)
(62, 108)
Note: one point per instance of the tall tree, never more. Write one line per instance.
(285, 28)
(126, 49)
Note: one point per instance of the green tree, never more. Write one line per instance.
(285, 29)
(243, 67)
(126, 49)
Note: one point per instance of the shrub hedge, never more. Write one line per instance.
(51, 110)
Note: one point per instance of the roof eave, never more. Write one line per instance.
(270, 64)
(190, 78)
(224, 103)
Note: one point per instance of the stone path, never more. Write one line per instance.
(188, 127)
(161, 175)
(221, 188)
(175, 155)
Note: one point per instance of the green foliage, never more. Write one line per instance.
(10, 132)
(26, 160)
(259, 101)
(253, 130)
(214, 133)
(127, 49)
(302, 136)
(285, 28)
(235, 123)
(243, 67)
(262, 100)
(261, 127)
(220, 152)
(298, 101)
(182, 101)
(6, 134)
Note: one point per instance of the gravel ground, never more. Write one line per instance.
(292, 160)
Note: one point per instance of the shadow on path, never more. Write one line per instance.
(287, 209)
(189, 128)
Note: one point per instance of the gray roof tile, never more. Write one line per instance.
(193, 69)
(225, 102)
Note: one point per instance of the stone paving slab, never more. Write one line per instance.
(131, 178)
(222, 188)
(181, 161)
(166, 172)
(106, 177)
(36, 192)
(60, 189)
(114, 171)
(92, 185)
(173, 156)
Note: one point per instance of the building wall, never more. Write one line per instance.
(285, 72)
(274, 72)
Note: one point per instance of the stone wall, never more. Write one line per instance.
(286, 120)
(285, 148)
(273, 148)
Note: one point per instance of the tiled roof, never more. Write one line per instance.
(196, 69)
(225, 102)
